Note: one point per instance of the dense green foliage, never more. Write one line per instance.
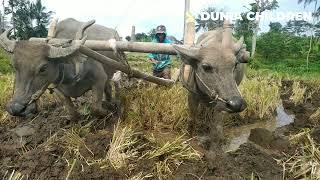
(285, 50)
(29, 19)
(281, 45)
(292, 48)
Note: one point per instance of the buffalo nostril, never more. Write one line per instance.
(15, 108)
(236, 104)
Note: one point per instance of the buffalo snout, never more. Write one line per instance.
(236, 104)
(21, 110)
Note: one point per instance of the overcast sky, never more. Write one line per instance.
(147, 14)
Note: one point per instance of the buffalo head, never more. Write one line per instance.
(215, 59)
(37, 66)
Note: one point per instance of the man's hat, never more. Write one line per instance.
(161, 29)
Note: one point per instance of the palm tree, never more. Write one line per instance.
(41, 17)
(306, 2)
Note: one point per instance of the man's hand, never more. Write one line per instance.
(153, 61)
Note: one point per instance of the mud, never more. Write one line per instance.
(251, 151)
(302, 111)
(240, 134)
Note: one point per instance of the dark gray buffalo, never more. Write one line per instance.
(39, 65)
(216, 70)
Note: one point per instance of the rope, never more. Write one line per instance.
(38, 94)
(213, 95)
(121, 56)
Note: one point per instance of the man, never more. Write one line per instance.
(161, 62)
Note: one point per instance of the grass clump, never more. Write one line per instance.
(6, 86)
(72, 141)
(5, 63)
(298, 92)
(155, 107)
(140, 176)
(315, 118)
(122, 147)
(262, 96)
(14, 175)
(168, 156)
(305, 163)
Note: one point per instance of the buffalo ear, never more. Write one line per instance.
(244, 57)
(189, 55)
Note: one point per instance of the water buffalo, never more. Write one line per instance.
(39, 65)
(216, 70)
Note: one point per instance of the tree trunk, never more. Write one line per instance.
(254, 38)
(13, 23)
(311, 38)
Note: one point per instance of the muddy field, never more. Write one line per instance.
(49, 146)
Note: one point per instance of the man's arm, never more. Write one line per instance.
(152, 58)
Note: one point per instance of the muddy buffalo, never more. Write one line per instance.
(39, 65)
(216, 70)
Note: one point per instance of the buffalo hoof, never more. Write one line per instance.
(118, 108)
(101, 112)
(74, 116)
(114, 106)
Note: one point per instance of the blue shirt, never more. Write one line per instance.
(164, 60)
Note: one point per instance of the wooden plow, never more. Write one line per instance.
(90, 48)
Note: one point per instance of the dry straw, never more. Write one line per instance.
(262, 96)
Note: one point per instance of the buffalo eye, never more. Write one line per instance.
(207, 67)
(43, 69)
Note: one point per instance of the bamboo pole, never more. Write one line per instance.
(189, 34)
(98, 45)
(121, 67)
(133, 34)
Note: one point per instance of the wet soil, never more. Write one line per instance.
(24, 148)
(302, 111)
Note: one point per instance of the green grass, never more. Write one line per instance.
(141, 61)
(6, 82)
(289, 68)
(5, 63)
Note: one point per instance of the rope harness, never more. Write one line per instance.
(49, 86)
(213, 95)
(191, 85)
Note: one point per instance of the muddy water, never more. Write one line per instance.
(239, 135)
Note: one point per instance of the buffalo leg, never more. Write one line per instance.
(98, 90)
(108, 92)
(73, 114)
(119, 107)
(216, 131)
(193, 103)
(108, 96)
